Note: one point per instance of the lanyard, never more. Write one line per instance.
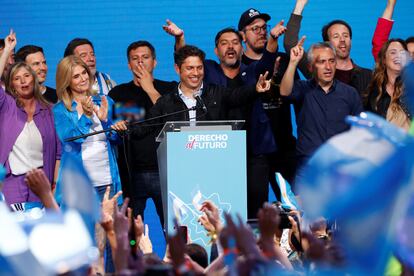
(99, 84)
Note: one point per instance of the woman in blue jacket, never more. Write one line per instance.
(77, 113)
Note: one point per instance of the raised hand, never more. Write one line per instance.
(300, 5)
(212, 214)
(269, 220)
(243, 234)
(121, 221)
(87, 106)
(177, 247)
(40, 185)
(389, 9)
(145, 79)
(102, 111)
(262, 84)
(145, 243)
(278, 30)
(172, 29)
(296, 53)
(108, 203)
(10, 41)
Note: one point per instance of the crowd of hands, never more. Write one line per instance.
(235, 239)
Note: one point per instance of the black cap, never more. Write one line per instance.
(249, 16)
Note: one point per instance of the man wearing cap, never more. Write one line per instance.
(253, 29)
(84, 49)
(34, 57)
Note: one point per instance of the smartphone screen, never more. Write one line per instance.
(183, 232)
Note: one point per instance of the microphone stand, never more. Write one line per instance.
(130, 124)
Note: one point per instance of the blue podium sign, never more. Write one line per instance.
(202, 165)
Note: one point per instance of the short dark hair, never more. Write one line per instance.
(197, 253)
(26, 50)
(141, 43)
(2, 43)
(325, 28)
(227, 30)
(70, 48)
(409, 40)
(188, 51)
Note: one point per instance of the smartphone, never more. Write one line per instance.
(183, 232)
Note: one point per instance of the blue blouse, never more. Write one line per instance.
(69, 125)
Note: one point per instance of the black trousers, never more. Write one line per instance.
(261, 171)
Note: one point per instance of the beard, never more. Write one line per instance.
(235, 64)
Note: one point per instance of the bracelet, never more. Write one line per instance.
(213, 236)
(275, 37)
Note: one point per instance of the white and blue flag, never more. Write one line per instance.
(361, 178)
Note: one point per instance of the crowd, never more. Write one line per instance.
(257, 84)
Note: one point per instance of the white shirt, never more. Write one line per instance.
(190, 102)
(95, 155)
(27, 152)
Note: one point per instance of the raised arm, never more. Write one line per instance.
(275, 33)
(172, 29)
(383, 28)
(296, 53)
(292, 35)
(9, 43)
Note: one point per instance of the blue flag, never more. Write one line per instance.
(53, 244)
(408, 79)
(359, 178)
(288, 198)
(404, 236)
(77, 192)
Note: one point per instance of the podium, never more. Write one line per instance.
(198, 161)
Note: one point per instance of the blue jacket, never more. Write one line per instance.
(68, 125)
(259, 135)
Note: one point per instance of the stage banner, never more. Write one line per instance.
(204, 165)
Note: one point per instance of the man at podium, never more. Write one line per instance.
(197, 100)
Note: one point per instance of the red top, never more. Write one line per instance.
(381, 35)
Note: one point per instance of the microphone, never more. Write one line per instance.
(200, 101)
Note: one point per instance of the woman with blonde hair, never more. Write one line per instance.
(78, 113)
(386, 90)
(27, 135)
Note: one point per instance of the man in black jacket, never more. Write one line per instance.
(189, 65)
(190, 68)
(133, 100)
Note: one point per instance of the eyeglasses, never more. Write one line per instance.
(259, 29)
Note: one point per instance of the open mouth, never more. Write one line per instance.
(194, 79)
(342, 47)
(231, 54)
(397, 61)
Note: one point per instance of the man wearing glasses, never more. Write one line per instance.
(254, 31)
